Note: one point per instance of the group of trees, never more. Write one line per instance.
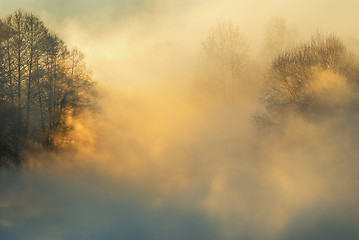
(314, 77)
(227, 66)
(42, 83)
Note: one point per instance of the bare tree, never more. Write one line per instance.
(11, 142)
(4, 84)
(278, 37)
(35, 36)
(298, 79)
(225, 56)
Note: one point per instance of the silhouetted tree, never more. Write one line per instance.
(12, 143)
(308, 78)
(42, 81)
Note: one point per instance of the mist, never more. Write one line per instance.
(170, 156)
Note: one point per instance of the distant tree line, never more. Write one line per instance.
(313, 78)
(226, 66)
(42, 84)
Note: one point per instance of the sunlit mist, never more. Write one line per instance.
(178, 119)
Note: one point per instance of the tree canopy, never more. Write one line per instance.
(317, 76)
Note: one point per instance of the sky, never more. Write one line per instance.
(143, 32)
(154, 166)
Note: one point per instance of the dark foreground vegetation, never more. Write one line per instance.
(42, 84)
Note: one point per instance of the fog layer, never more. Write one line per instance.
(158, 164)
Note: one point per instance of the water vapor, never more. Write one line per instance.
(156, 164)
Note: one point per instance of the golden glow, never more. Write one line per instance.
(331, 88)
(151, 136)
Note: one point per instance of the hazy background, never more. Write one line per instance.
(155, 166)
